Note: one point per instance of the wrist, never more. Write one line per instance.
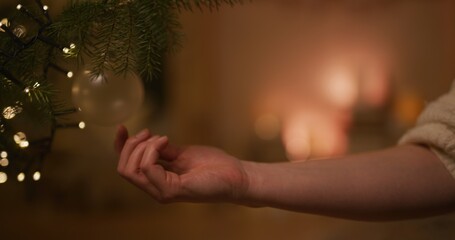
(252, 183)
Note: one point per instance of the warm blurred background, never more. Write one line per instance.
(271, 80)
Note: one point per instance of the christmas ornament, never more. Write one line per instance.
(107, 98)
(32, 45)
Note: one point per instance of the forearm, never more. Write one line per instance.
(401, 182)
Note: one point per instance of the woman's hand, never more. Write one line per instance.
(169, 173)
(400, 182)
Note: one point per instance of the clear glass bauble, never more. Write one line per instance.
(107, 99)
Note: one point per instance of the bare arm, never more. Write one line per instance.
(401, 182)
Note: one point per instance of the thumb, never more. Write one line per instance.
(120, 138)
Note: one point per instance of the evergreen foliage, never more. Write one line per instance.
(114, 35)
(126, 35)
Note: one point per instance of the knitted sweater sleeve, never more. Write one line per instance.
(436, 128)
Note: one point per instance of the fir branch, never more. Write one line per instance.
(40, 89)
(104, 38)
(29, 60)
(158, 33)
(124, 58)
(189, 5)
(75, 25)
(118, 35)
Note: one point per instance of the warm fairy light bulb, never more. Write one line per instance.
(3, 154)
(36, 85)
(37, 176)
(10, 112)
(21, 177)
(81, 125)
(70, 74)
(19, 6)
(4, 162)
(45, 8)
(19, 137)
(3, 177)
(27, 90)
(5, 22)
(72, 46)
(66, 50)
(24, 144)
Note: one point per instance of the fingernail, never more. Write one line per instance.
(142, 133)
(163, 138)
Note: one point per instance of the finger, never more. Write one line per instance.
(151, 153)
(141, 181)
(120, 139)
(155, 173)
(132, 173)
(129, 146)
(134, 161)
(169, 152)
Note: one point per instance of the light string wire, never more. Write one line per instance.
(42, 146)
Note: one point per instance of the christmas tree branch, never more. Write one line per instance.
(113, 35)
(126, 35)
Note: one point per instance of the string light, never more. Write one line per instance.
(17, 34)
(69, 74)
(21, 177)
(37, 176)
(21, 139)
(5, 22)
(4, 162)
(27, 89)
(3, 177)
(24, 144)
(81, 125)
(10, 112)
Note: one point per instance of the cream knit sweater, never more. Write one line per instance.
(436, 129)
